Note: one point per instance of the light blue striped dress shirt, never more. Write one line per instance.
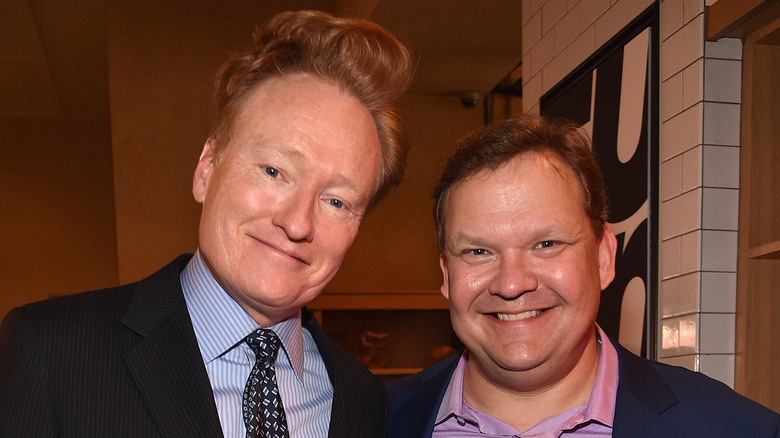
(221, 325)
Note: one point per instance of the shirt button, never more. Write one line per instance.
(460, 421)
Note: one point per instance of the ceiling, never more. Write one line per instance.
(53, 55)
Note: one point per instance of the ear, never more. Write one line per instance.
(607, 251)
(203, 171)
(445, 286)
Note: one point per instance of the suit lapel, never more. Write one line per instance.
(343, 400)
(642, 397)
(166, 364)
(421, 403)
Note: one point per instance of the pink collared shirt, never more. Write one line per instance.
(456, 418)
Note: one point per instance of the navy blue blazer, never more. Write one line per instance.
(653, 400)
(124, 362)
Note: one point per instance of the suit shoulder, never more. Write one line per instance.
(75, 307)
(56, 327)
(92, 308)
(695, 387)
(700, 405)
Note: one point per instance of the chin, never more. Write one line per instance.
(282, 299)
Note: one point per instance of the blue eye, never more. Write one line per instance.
(478, 251)
(270, 171)
(336, 203)
(546, 244)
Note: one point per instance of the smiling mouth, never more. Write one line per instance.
(282, 251)
(518, 316)
(292, 256)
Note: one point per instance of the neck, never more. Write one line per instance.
(504, 394)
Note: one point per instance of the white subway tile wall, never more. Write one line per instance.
(693, 86)
(672, 104)
(680, 215)
(690, 361)
(720, 209)
(690, 253)
(721, 167)
(723, 79)
(716, 333)
(670, 175)
(719, 292)
(682, 132)
(718, 366)
(670, 262)
(691, 169)
(679, 295)
(719, 251)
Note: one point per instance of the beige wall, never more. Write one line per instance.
(57, 232)
(57, 216)
(95, 201)
(396, 247)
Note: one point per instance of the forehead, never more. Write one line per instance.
(291, 95)
(310, 119)
(523, 170)
(302, 105)
(530, 183)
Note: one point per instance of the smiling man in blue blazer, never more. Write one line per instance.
(305, 141)
(525, 251)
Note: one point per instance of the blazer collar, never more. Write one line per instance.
(421, 396)
(156, 297)
(344, 407)
(642, 397)
(165, 363)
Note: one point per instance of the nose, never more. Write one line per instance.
(295, 216)
(514, 277)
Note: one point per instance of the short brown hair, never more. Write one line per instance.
(496, 144)
(355, 54)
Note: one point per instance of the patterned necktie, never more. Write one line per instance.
(263, 412)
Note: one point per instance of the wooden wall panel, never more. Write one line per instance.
(758, 271)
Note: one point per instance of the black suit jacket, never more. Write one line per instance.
(124, 362)
(653, 400)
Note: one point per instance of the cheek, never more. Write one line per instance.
(557, 275)
(225, 196)
(464, 276)
(474, 281)
(464, 287)
(336, 239)
(571, 274)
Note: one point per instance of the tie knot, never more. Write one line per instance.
(265, 344)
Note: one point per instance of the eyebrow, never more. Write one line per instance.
(340, 179)
(467, 239)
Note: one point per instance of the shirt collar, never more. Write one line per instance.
(452, 403)
(600, 406)
(221, 324)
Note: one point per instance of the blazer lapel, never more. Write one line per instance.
(166, 364)
(421, 401)
(343, 401)
(642, 397)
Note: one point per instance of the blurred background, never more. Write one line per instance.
(105, 106)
